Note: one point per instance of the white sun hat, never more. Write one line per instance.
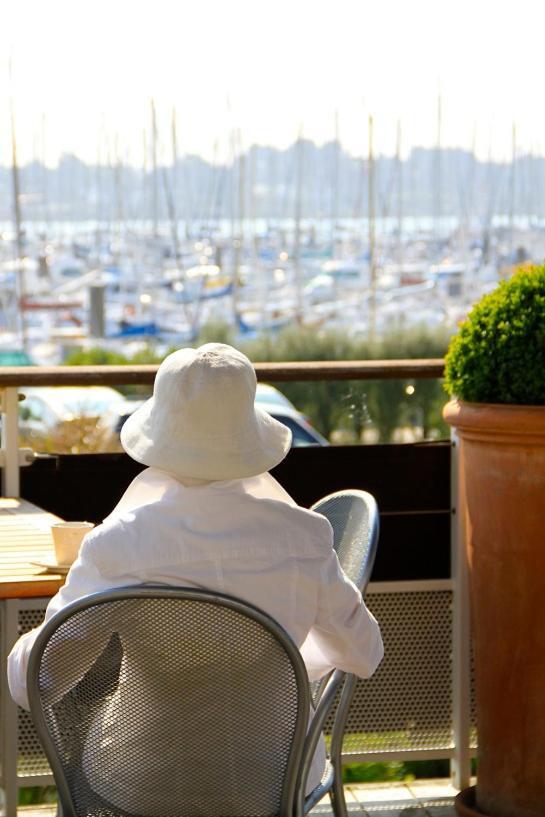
(202, 423)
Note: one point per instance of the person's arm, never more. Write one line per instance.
(83, 579)
(345, 635)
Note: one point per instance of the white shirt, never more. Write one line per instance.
(246, 538)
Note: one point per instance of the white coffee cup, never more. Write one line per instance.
(67, 537)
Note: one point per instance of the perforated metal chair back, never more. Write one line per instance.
(167, 702)
(354, 517)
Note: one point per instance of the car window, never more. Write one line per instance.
(300, 436)
(271, 395)
(90, 406)
(120, 422)
(33, 408)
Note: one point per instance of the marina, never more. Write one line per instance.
(70, 294)
(256, 240)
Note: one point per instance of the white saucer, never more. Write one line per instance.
(53, 567)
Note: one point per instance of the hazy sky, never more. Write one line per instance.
(269, 68)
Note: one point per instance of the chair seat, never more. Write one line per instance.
(139, 626)
(96, 806)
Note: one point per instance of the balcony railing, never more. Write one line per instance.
(270, 372)
(11, 378)
(419, 703)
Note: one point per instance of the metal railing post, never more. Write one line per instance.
(461, 628)
(9, 441)
(9, 735)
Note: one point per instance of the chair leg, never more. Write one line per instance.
(336, 793)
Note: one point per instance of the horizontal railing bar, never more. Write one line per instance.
(26, 779)
(269, 372)
(396, 754)
(420, 512)
(410, 586)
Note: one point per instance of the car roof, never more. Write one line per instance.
(62, 398)
(269, 394)
(280, 408)
(279, 411)
(15, 357)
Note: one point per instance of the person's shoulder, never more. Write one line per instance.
(320, 526)
(312, 526)
(105, 543)
(263, 499)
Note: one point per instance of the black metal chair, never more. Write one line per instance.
(221, 731)
(354, 518)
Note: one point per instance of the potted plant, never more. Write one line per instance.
(495, 370)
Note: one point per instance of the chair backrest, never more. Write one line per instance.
(355, 521)
(354, 517)
(169, 702)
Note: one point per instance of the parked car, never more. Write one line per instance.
(272, 396)
(114, 419)
(46, 410)
(44, 407)
(267, 397)
(12, 356)
(278, 405)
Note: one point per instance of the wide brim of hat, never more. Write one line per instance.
(261, 444)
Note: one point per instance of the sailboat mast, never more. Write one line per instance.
(169, 187)
(16, 188)
(512, 188)
(490, 204)
(189, 198)
(437, 174)
(111, 192)
(399, 165)
(239, 161)
(43, 150)
(299, 158)
(253, 209)
(174, 139)
(144, 192)
(144, 176)
(335, 187)
(471, 183)
(272, 186)
(16, 191)
(98, 211)
(467, 220)
(155, 194)
(118, 177)
(241, 191)
(371, 217)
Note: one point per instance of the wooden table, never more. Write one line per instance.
(25, 537)
(25, 589)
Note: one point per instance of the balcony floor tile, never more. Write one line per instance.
(425, 798)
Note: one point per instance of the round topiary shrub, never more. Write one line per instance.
(498, 355)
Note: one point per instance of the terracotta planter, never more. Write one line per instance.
(503, 466)
(464, 803)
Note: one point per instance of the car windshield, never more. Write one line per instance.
(268, 394)
(73, 400)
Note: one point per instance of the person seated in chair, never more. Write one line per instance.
(206, 513)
